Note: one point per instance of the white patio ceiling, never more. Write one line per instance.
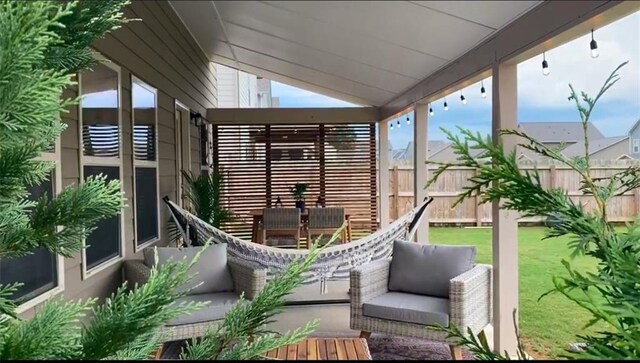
(358, 51)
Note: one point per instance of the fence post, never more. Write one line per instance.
(478, 206)
(396, 191)
(552, 176)
(636, 201)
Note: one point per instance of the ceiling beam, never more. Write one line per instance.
(261, 116)
(523, 38)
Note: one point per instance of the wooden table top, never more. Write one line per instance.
(323, 349)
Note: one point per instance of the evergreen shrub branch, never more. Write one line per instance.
(611, 293)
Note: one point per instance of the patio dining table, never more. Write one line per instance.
(256, 214)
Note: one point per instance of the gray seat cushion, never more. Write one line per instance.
(219, 304)
(211, 269)
(409, 308)
(427, 269)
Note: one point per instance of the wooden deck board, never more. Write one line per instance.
(292, 351)
(302, 350)
(322, 346)
(323, 349)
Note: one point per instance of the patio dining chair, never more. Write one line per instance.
(325, 222)
(281, 227)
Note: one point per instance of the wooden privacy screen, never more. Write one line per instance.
(262, 162)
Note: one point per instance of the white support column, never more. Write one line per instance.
(420, 176)
(505, 225)
(383, 173)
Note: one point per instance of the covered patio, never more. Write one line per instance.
(148, 117)
(393, 58)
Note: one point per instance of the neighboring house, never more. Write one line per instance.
(570, 134)
(555, 134)
(608, 148)
(405, 155)
(265, 100)
(237, 89)
(551, 134)
(634, 141)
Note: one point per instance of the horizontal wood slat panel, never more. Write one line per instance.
(261, 163)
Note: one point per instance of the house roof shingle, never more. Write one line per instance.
(557, 132)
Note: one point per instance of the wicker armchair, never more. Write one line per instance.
(247, 277)
(281, 227)
(469, 303)
(325, 222)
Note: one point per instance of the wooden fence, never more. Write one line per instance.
(450, 184)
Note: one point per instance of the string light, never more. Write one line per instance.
(391, 125)
(545, 65)
(446, 107)
(398, 123)
(462, 99)
(594, 47)
(483, 93)
(430, 110)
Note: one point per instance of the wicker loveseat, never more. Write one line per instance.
(222, 289)
(375, 308)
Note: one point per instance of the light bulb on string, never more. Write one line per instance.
(483, 93)
(430, 110)
(408, 121)
(545, 65)
(446, 107)
(391, 125)
(398, 124)
(594, 47)
(462, 99)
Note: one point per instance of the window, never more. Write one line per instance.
(636, 146)
(101, 154)
(145, 162)
(41, 271)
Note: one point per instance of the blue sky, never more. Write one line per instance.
(540, 98)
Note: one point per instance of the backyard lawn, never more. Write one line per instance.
(550, 324)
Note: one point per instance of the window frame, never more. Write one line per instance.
(56, 157)
(145, 164)
(180, 147)
(102, 161)
(208, 148)
(635, 143)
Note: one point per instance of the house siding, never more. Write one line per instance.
(612, 152)
(159, 50)
(633, 135)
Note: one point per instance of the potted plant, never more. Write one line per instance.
(297, 191)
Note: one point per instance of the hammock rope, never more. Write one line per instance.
(333, 263)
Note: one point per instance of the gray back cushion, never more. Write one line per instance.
(211, 269)
(426, 269)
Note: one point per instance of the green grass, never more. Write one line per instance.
(550, 324)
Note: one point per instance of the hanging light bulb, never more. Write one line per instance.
(483, 93)
(462, 99)
(545, 65)
(391, 125)
(408, 121)
(594, 47)
(446, 107)
(430, 110)
(398, 124)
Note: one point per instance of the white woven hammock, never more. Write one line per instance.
(333, 263)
